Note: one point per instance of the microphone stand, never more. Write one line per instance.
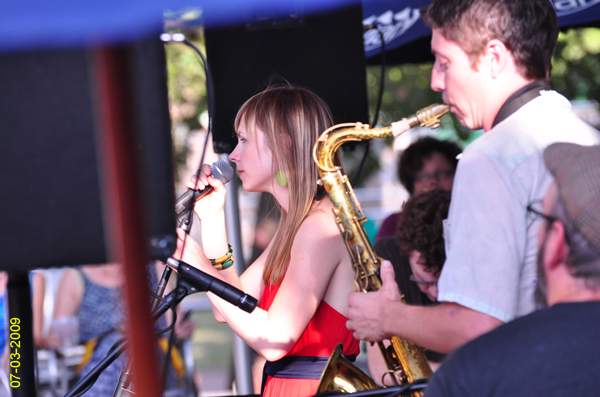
(171, 300)
(122, 389)
(191, 281)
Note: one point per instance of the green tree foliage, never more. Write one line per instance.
(576, 64)
(187, 91)
(576, 74)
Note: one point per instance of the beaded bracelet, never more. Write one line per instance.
(228, 257)
(225, 265)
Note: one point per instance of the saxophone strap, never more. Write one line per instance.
(518, 99)
(296, 367)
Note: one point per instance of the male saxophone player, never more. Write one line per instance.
(492, 65)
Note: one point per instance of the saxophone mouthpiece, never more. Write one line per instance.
(426, 117)
(429, 116)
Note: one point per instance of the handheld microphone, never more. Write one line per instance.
(222, 171)
(205, 282)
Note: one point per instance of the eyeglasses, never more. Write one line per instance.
(414, 280)
(549, 218)
(438, 175)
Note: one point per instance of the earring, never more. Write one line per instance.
(281, 178)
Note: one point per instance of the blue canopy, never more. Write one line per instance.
(400, 22)
(39, 24)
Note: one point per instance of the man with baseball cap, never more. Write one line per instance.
(554, 351)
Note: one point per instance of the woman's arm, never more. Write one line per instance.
(313, 261)
(193, 254)
(68, 300)
(39, 290)
(70, 293)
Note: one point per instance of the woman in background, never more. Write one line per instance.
(94, 294)
(425, 165)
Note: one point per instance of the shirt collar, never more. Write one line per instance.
(518, 99)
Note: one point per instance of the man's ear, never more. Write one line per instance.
(556, 250)
(497, 57)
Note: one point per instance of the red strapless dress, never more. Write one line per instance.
(325, 330)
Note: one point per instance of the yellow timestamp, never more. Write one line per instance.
(15, 356)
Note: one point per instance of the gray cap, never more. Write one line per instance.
(577, 172)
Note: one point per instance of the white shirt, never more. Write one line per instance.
(491, 240)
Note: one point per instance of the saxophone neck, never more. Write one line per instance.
(324, 151)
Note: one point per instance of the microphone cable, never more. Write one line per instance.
(363, 161)
(180, 38)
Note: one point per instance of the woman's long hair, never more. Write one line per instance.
(291, 118)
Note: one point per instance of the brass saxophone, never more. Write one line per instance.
(403, 358)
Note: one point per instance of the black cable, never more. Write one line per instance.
(172, 300)
(381, 81)
(91, 377)
(367, 143)
(210, 95)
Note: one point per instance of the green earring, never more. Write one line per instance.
(281, 178)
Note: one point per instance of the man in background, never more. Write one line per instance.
(551, 352)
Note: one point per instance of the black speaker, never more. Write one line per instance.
(324, 53)
(51, 189)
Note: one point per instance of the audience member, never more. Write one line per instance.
(92, 295)
(425, 165)
(420, 239)
(551, 352)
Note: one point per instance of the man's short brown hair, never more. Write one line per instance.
(528, 29)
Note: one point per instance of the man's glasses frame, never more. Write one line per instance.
(549, 218)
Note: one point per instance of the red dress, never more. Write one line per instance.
(325, 330)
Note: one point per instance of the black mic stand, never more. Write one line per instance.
(191, 281)
(170, 301)
(122, 389)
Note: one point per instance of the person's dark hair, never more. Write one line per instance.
(420, 227)
(413, 158)
(528, 28)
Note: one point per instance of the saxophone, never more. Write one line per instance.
(404, 360)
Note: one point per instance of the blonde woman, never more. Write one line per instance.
(304, 276)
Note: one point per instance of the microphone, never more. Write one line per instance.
(222, 171)
(205, 282)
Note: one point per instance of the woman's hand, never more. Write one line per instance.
(214, 202)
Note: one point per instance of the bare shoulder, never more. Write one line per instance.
(320, 242)
(320, 221)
